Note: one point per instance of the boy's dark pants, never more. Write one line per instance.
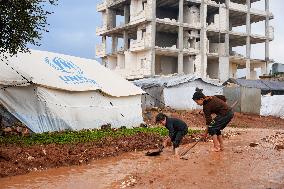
(178, 138)
(219, 123)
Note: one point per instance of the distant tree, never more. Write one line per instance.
(22, 22)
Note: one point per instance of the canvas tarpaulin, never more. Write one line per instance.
(70, 93)
(64, 72)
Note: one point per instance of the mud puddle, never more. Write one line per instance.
(239, 166)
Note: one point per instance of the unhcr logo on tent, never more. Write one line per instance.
(71, 73)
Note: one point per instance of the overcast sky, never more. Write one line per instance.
(73, 30)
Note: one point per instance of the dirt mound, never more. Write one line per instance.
(196, 119)
(15, 160)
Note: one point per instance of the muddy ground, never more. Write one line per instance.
(17, 160)
(250, 160)
(196, 119)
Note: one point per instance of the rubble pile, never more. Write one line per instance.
(276, 140)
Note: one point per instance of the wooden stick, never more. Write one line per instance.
(187, 150)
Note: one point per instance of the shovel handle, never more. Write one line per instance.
(187, 150)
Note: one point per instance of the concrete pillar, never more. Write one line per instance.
(227, 37)
(104, 62)
(203, 39)
(125, 40)
(185, 40)
(267, 36)
(224, 68)
(153, 37)
(126, 14)
(224, 57)
(180, 38)
(104, 43)
(248, 45)
(114, 44)
(111, 19)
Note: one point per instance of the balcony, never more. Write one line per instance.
(102, 6)
(258, 12)
(167, 21)
(190, 51)
(238, 7)
(139, 45)
(140, 16)
(101, 30)
(100, 50)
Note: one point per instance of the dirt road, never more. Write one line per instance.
(239, 166)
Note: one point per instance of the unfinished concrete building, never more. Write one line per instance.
(142, 38)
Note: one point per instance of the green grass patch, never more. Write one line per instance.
(73, 137)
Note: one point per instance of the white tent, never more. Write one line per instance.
(52, 92)
(175, 91)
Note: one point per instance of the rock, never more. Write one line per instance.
(253, 144)
(7, 129)
(30, 158)
(106, 126)
(143, 125)
(279, 147)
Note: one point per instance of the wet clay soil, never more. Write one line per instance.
(196, 119)
(238, 166)
(16, 160)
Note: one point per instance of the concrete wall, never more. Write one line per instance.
(112, 62)
(214, 48)
(121, 61)
(188, 64)
(213, 69)
(136, 64)
(104, 18)
(166, 65)
(166, 39)
(193, 16)
(135, 7)
(219, 20)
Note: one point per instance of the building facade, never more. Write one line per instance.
(142, 38)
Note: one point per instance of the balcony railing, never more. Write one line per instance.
(102, 6)
(168, 21)
(140, 16)
(138, 45)
(238, 6)
(101, 50)
(257, 11)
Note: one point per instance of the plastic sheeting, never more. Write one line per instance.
(171, 81)
(259, 84)
(176, 91)
(184, 93)
(272, 106)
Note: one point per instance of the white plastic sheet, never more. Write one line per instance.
(272, 106)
